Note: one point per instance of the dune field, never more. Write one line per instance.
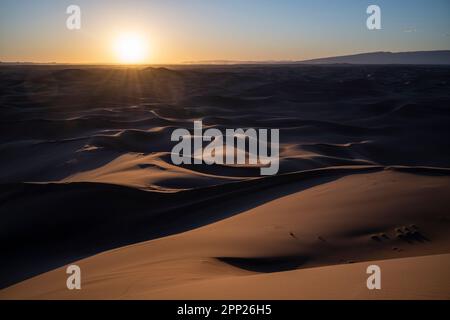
(86, 178)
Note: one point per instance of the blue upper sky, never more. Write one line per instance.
(185, 30)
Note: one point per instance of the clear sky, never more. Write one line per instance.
(191, 30)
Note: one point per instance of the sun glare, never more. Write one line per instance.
(131, 48)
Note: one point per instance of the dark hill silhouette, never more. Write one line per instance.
(437, 57)
(417, 57)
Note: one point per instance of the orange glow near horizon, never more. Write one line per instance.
(131, 48)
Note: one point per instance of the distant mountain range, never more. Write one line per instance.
(441, 57)
(438, 57)
(417, 57)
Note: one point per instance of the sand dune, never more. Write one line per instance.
(358, 217)
(86, 178)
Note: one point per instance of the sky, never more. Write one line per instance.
(177, 31)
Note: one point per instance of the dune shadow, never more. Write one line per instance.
(266, 264)
(68, 222)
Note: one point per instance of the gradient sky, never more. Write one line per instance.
(193, 30)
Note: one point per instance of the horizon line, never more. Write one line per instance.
(216, 61)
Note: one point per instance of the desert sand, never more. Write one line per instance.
(86, 179)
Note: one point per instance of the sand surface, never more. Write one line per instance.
(86, 178)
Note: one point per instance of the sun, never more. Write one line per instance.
(131, 48)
